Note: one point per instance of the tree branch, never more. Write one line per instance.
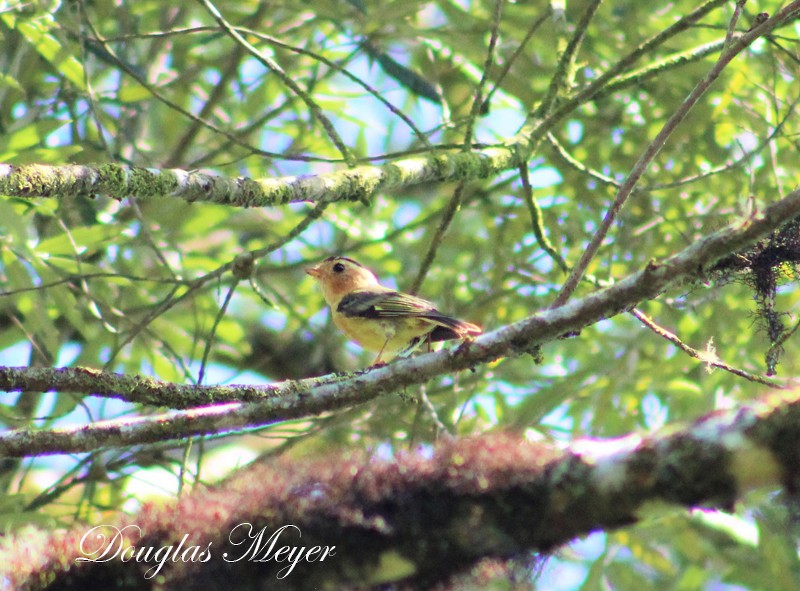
(287, 80)
(309, 397)
(428, 515)
(730, 51)
(358, 184)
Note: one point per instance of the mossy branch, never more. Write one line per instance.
(357, 184)
(421, 518)
(309, 397)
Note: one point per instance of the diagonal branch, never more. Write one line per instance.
(287, 80)
(307, 397)
(430, 515)
(731, 51)
(709, 357)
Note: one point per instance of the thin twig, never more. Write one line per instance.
(477, 100)
(428, 407)
(210, 338)
(565, 70)
(514, 56)
(535, 127)
(447, 217)
(228, 72)
(655, 147)
(536, 221)
(232, 137)
(171, 300)
(658, 68)
(708, 358)
(294, 49)
(334, 66)
(603, 179)
(458, 194)
(737, 11)
(287, 80)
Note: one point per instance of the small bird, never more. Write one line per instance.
(379, 318)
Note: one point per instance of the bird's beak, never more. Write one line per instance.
(314, 272)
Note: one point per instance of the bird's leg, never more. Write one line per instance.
(390, 332)
(378, 358)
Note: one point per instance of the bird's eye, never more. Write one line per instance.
(338, 268)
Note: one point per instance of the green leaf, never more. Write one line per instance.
(80, 241)
(407, 77)
(37, 30)
(29, 136)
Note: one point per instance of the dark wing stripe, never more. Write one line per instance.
(392, 304)
(359, 304)
(387, 304)
(396, 303)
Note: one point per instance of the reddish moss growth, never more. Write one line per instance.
(426, 514)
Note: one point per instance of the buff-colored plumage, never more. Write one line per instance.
(379, 318)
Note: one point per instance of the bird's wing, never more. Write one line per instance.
(394, 304)
(368, 303)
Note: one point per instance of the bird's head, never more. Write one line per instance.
(339, 276)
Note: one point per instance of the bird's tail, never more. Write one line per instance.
(451, 328)
(446, 329)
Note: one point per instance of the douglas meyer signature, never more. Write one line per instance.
(108, 542)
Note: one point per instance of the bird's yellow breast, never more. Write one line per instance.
(390, 334)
